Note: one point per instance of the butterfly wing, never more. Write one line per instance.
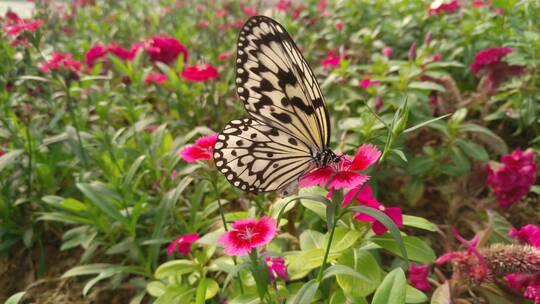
(277, 85)
(257, 157)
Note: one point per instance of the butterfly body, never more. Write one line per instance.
(288, 131)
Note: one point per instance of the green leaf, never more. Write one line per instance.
(246, 299)
(16, 298)
(425, 123)
(364, 262)
(442, 294)
(487, 136)
(9, 158)
(389, 224)
(212, 288)
(501, 228)
(174, 268)
(419, 165)
(426, 85)
(459, 159)
(416, 248)
(102, 200)
(200, 293)
(343, 238)
(310, 239)
(419, 222)
(473, 150)
(414, 295)
(156, 288)
(414, 190)
(392, 289)
(344, 271)
(306, 293)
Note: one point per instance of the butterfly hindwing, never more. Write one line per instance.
(277, 85)
(257, 157)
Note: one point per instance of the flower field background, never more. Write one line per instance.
(110, 111)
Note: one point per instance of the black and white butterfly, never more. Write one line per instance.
(288, 131)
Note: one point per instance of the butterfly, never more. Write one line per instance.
(288, 130)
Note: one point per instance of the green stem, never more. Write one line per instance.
(327, 252)
(30, 152)
(76, 125)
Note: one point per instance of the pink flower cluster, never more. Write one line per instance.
(201, 150)
(100, 51)
(248, 234)
(331, 60)
(489, 63)
(16, 26)
(200, 73)
(528, 234)
(528, 284)
(183, 243)
(165, 49)
(512, 179)
(61, 61)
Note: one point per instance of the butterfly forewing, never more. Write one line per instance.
(257, 157)
(277, 85)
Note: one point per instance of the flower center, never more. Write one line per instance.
(248, 233)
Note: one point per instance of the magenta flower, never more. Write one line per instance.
(343, 175)
(529, 234)
(95, 53)
(201, 150)
(124, 53)
(331, 61)
(418, 277)
(247, 234)
(156, 78)
(366, 83)
(183, 243)
(22, 25)
(165, 49)
(387, 52)
(200, 73)
(489, 63)
(283, 5)
(528, 284)
(340, 25)
(276, 268)
(61, 60)
(366, 198)
(489, 57)
(250, 11)
(439, 7)
(512, 179)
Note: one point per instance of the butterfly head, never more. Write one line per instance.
(325, 158)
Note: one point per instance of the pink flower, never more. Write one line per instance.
(224, 56)
(60, 60)
(250, 11)
(165, 49)
(418, 277)
(343, 175)
(2, 152)
(96, 52)
(489, 63)
(248, 234)
(276, 268)
(512, 179)
(202, 24)
(283, 5)
(222, 12)
(480, 3)
(366, 83)
(443, 7)
(297, 11)
(340, 25)
(489, 57)
(332, 60)
(22, 25)
(12, 16)
(387, 52)
(436, 57)
(200, 73)
(322, 5)
(183, 243)
(201, 150)
(124, 53)
(529, 234)
(528, 284)
(366, 199)
(378, 103)
(156, 78)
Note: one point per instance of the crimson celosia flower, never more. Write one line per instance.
(331, 60)
(528, 284)
(512, 179)
(418, 277)
(529, 234)
(183, 243)
(156, 78)
(365, 198)
(165, 49)
(247, 234)
(200, 73)
(489, 63)
(366, 83)
(201, 150)
(343, 175)
(283, 5)
(60, 60)
(438, 7)
(387, 52)
(276, 268)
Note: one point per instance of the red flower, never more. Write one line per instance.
(489, 63)
(60, 60)
(183, 243)
(224, 56)
(418, 277)
(96, 52)
(332, 60)
(2, 152)
(12, 16)
(366, 83)
(124, 53)
(387, 52)
(276, 268)
(283, 5)
(340, 25)
(528, 284)
(297, 11)
(489, 57)
(22, 25)
(222, 12)
(201, 150)
(165, 49)
(366, 198)
(250, 11)
(156, 78)
(480, 3)
(200, 73)
(248, 234)
(202, 24)
(512, 179)
(322, 5)
(438, 7)
(343, 175)
(529, 234)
